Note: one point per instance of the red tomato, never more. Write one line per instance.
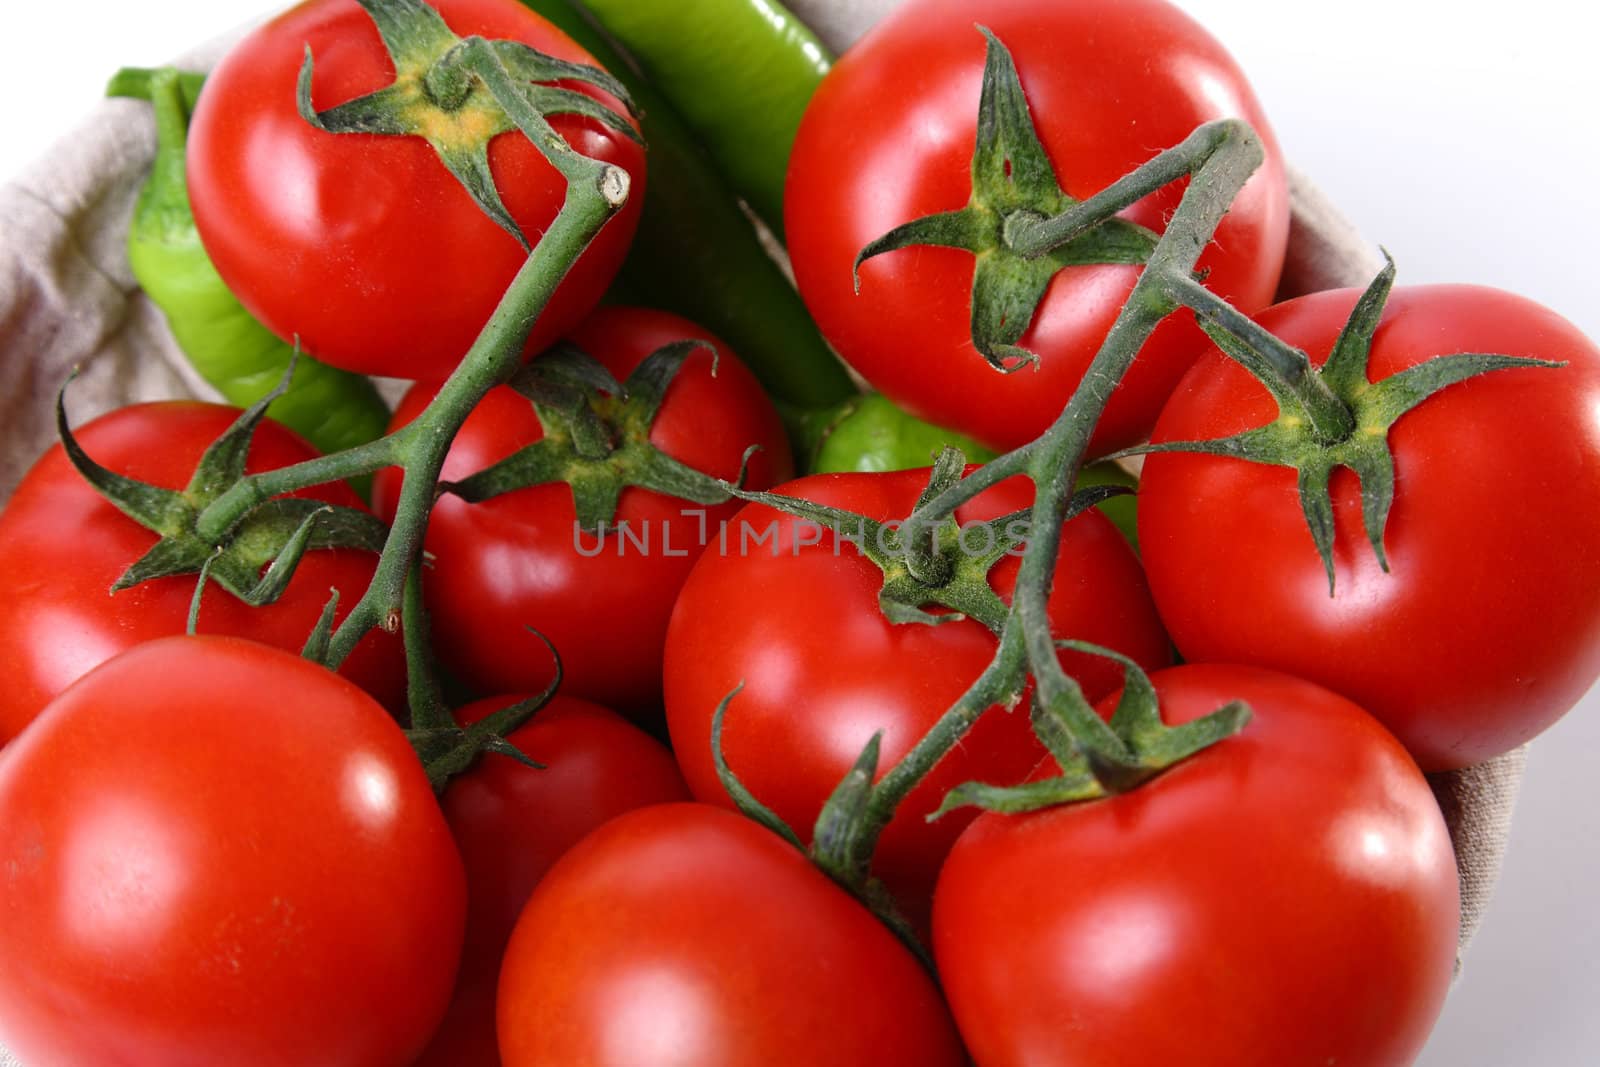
(683, 934)
(1487, 628)
(1285, 897)
(1109, 86)
(796, 621)
(365, 247)
(512, 822)
(63, 545)
(218, 852)
(518, 560)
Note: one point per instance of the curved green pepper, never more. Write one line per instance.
(1123, 511)
(697, 254)
(740, 72)
(869, 433)
(241, 358)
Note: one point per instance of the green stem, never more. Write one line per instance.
(248, 492)
(595, 192)
(1331, 420)
(1032, 235)
(494, 356)
(942, 505)
(923, 559)
(1000, 683)
(1219, 157)
(424, 695)
(165, 91)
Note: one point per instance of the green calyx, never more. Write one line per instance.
(596, 436)
(1098, 759)
(932, 565)
(450, 751)
(460, 93)
(1293, 438)
(256, 557)
(446, 748)
(843, 838)
(1006, 223)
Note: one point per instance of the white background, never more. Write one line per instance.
(1461, 136)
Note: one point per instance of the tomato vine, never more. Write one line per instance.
(1096, 757)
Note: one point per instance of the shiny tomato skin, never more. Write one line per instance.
(511, 823)
(822, 669)
(1487, 627)
(1286, 897)
(516, 560)
(62, 546)
(889, 138)
(687, 935)
(219, 852)
(365, 247)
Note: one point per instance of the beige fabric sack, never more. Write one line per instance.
(67, 299)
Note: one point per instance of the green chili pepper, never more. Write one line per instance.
(868, 433)
(241, 358)
(1123, 511)
(698, 255)
(740, 72)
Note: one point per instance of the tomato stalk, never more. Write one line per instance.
(424, 694)
(597, 436)
(1319, 413)
(273, 536)
(1218, 158)
(445, 747)
(595, 192)
(1273, 360)
(1014, 194)
(1299, 439)
(1013, 180)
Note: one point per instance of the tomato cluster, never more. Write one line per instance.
(711, 793)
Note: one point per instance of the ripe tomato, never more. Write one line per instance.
(796, 621)
(63, 545)
(218, 852)
(1286, 896)
(365, 247)
(684, 934)
(512, 822)
(518, 560)
(1487, 627)
(889, 138)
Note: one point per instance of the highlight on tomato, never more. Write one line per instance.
(512, 822)
(1288, 895)
(685, 933)
(899, 199)
(380, 220)
(219, 852)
